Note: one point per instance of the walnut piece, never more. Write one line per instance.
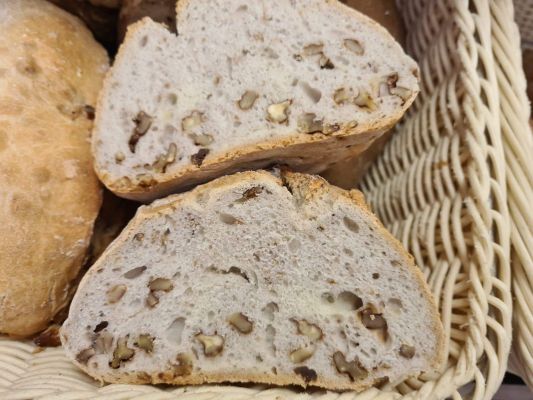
(103, 343)
(364, 100)
(325, 62)
(279, 112)
(302, 354)
(392, 79)
(115, 293)
(135, 272)
(247, 100)
(251, 193)
(194, 119)
(145, 342)
(202, 139)
(163, 160)
(100, 326)
(308, 374)
(152, 300)
(163, 284)
(83, 356)
(313, 49)
(312, 331)
(212, 344)
(185, 365)
(330, 128)
(155, 285)
(341, 96)
(353, 369)
(198, 158)
(142, 123)
(354, 46)
(122, 353)
(407, 351)
(307, 123)
(240, 322)
(401, 92)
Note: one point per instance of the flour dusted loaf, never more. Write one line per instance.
(246, 84)
(253, 278)
(51, 70)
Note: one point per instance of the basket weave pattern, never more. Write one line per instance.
(518, 144)
(439, 186)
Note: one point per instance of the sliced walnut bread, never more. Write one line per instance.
(255, 278)
(246, 84)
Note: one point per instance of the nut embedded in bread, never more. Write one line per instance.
(255, 278)
(304, 83)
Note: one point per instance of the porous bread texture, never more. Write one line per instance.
(245, 85)
(51, 70)
(283, 275)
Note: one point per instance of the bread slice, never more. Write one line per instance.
(255, 278)
(245, 85)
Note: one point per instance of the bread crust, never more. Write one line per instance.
(305, 153)
(308, 186)
(50, 68)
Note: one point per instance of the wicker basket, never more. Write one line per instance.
(519, 146)
(440, 186)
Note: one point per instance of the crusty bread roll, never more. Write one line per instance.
(255, 278)
(51, 70)
(102, 21)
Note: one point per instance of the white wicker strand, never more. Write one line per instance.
(473, 222)
(518, 139)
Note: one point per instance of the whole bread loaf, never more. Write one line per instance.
(255, 278)
(298, 82)
(51, 70)
(101, 20)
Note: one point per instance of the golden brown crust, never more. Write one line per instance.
(306, 153)
(168, 377)
(102, 21)
(307, 186)
(50, 69)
